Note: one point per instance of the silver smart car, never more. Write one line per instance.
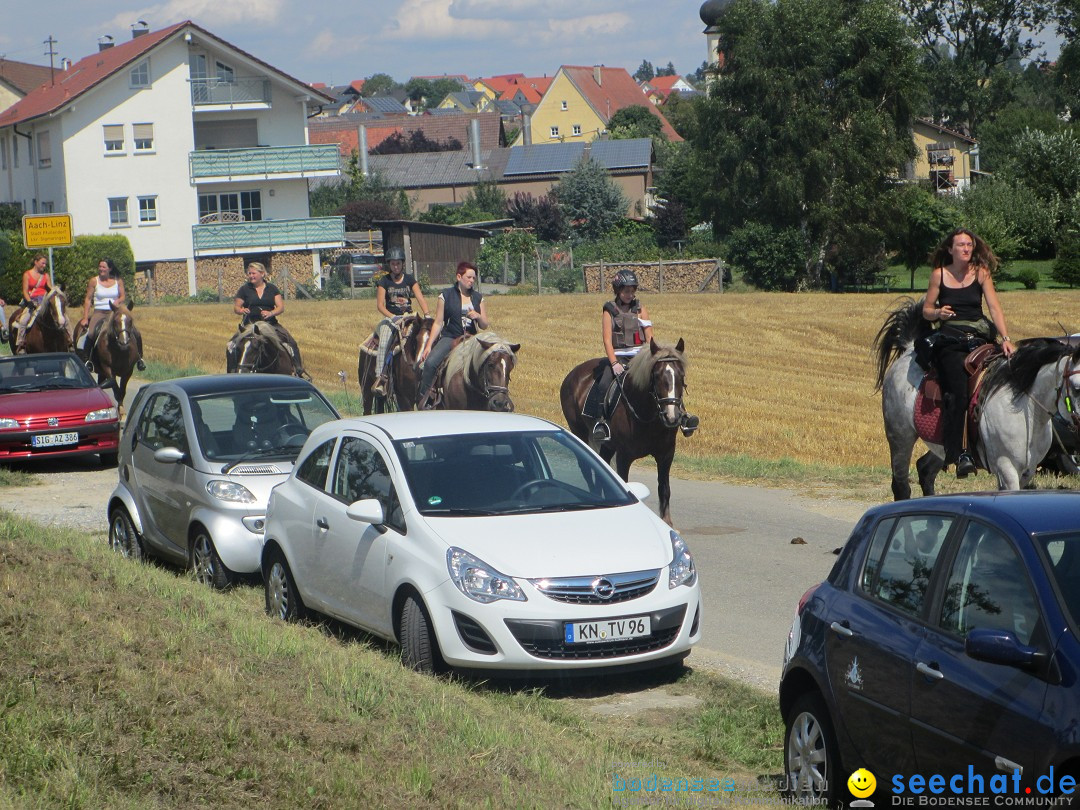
(198, 458)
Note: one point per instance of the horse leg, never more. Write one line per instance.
(928, 466)
(663, 482)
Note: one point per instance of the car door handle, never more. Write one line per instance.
(322, 523)
(929, 671)
(841, 630)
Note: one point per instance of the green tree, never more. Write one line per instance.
(669, 70)
(974, 48)
(923, 218)
(419, 91)
(645, 72)
(808, 138)
(11, 215)
(379, 84)
(635, 121)
(590, 200)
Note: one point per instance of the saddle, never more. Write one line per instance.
(929, 400)
(404, 328)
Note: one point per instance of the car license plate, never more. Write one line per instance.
(53, 439)
(608, 630)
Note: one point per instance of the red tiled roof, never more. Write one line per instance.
(617, 89)
(92, 70)
(436, 127)
(23, 76)
(663, 84)
(357, 84)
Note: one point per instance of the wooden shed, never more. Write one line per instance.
(431, 249)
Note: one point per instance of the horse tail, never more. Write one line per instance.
(902, 327)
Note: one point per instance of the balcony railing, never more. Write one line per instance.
(268, 235)
(253, 90)
(266, 161)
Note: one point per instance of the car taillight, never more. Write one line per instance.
(806, 598)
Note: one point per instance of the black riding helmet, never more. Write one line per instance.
(395, 254)
(624, 278)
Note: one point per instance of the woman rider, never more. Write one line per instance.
(393, 299)
(961, 279)
(102, 290)
(625, 327)
(460, 311)
(260, 301)
(35, 286)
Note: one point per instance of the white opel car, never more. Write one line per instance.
(479, 541)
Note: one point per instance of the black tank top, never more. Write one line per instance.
(966, 301)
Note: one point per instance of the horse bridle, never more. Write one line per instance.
(255, 337)
(659, 401)
(1065, 391)
(488, 391)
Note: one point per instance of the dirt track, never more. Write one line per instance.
(70, 493)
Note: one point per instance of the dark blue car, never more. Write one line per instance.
(942, 654)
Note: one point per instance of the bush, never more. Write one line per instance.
(1067, 264)
(205, 296)
(73, 267)
(1015, 222)
(770, 258)
(361, 214)
(1029, 277)
(566, 279)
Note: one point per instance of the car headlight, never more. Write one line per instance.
(103, 415)
(8, 423)
(230, 491)
(478, 580)
(681, 571)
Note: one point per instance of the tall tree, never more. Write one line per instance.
(808, 124)
(667, 71)
(645, 72)
(378, 84)
(635, 121)
(969, 45)
(591, 201)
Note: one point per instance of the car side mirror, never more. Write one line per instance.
(169, 455)
(369, 510)
(1002, 647)
(638, 490)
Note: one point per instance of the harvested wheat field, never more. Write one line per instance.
(772, 376)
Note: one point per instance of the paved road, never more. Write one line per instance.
(751, 574)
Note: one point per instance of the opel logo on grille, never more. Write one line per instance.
(603, 589)
(53, 421)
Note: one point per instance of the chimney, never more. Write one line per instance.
(104, 43)
(361, 148)
(140, 29)
(65, 63)
(598, 75)
(474, 142)
(526, 123)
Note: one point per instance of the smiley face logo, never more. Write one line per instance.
(862, 783)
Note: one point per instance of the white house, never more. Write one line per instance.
(190, 147)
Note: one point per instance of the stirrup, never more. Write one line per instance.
(965, 465)
(601, 431)
(379, 387)
(140, 364)
(688, 424)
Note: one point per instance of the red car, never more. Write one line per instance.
(51, 407)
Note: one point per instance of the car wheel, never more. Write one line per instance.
(123, 539)
(108, 459)
(282, 598)
(811, 759)
(206, 564)
(419, 648)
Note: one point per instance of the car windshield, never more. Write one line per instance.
(1063, 553)
(31, 372)
(507, 473)
(250, 424)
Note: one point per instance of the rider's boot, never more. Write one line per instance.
(140, 364)
(381, 385)
(601, 431)
(965, 465)
(20, 341)
(688, 424)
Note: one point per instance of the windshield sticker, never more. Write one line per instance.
(434, 500)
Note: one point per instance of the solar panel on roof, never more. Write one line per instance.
(544, 158)
(622, 154)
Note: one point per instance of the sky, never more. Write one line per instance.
(336, 41)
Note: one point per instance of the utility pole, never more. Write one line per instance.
(51, 53)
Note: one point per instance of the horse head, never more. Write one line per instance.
(54, 309)
(660, 370)
(121, 325)
(497, 360)
(254, 348)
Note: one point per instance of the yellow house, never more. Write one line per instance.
(580, 102)
(948, 159)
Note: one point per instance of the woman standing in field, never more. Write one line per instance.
(625, 327)
(959, 283)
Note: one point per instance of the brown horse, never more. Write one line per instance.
(49, 331)
(116, 349)
(477, 375)
(645, 421)
(404, 375)
(259, 349)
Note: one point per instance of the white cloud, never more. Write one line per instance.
(531, 10)
(207, 13)
(432, 20)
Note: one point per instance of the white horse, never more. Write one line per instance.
(1016, 402)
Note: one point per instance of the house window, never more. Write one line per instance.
(47, 207)
(564, 106)
(225, 74)
(118, 212)
(144, 137)
(554, 132)
(247, 204)
(140, 74)
(114, 137)
(251, 205)
(148, 209)
(577, 129)
(44, 150)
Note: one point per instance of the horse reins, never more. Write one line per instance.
(489, 391)
(659, 401)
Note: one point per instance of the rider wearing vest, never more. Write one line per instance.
(393, 298)
(460, 311)
(35, 286)
(960, 281)
(260, 301)
(102, 290)
(626, 328)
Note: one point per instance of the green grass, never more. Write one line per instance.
(131, 686)
(1005, 278)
